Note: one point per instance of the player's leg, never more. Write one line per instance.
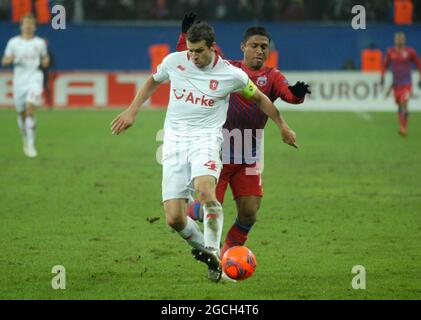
(22, 128)
(30, 125)
(247, 208)
(406, 95)
(212, 222)
(206, 165)
(20, 105)
(212, 210)
(246, 186)
(33, 100)
(402, 95)
(175, 192)
(403, 106)
(195, 210)
(176, 218)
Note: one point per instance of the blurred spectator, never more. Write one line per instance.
(4, 9)
(349, 65)
(235, 10)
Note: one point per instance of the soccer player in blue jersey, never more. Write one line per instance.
(242, 172)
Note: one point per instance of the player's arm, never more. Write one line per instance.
(7, 60)
(45, 57)
(8, 56)
(292, 94)
(188, 20)
(416, 59)
(45, 61)
(385, 66)
(253, 93)
(126, 119)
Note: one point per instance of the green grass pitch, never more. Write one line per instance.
(351, 195)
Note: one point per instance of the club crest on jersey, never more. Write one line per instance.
(262, 81)
(211, 165)
(180, 67)
(213, 84)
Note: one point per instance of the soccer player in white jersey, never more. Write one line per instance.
(201, 83)
(27, 52)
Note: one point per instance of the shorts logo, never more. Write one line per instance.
(211, 165)
(262, 81)
(213, 84)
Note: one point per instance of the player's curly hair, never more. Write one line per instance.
(255, 31)
(201, 31)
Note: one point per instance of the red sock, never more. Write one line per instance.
(405, 120)
(401, 119)
(236, 236)
(193, 211)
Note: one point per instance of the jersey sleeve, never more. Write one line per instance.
(8, 52)
(416, 59)
(242, 83)
(44, 51)
(281, 88)
(181, 43)
(161, 73)
(386, 62)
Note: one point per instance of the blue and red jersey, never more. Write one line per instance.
(245, 116)
(400, 61)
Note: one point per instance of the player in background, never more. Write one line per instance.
(241, 172)
(400, 58)
(201, 82)
(27, 53)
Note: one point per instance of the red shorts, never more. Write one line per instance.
(402, 93)
(244, 179)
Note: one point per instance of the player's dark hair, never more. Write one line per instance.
(28, 16)
(255, 31)
(201, 31)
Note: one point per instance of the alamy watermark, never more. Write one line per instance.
(359, 21)
(359, 281)
(235, 146)
(58, 22)
(59, 280)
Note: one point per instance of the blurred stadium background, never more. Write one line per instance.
(109, 46)
(91, 201)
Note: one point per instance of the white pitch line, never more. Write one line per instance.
(364, 115)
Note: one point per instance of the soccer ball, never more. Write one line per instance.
(239, 263)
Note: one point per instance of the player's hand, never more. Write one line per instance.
(300, 89)
(188, 21)
(123, 121)
(289, 136)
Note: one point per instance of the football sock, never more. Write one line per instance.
(22, 127)
(401, 117)
(213, 220)
(236, 236)
(194, 211)
(30, 129)
(192, 234)
(405, 119)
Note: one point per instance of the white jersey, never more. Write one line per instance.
(27, 54)
(198, 97)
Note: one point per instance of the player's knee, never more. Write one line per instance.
(205, 188)
(205, 196)
(247, 216)
(206, 192)
(175, 222)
